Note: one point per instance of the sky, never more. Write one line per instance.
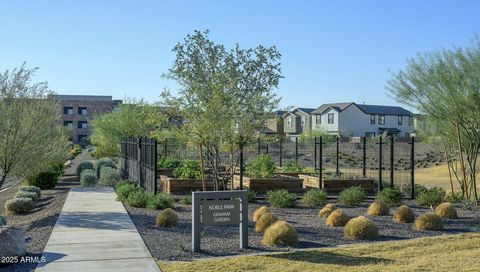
(332, 51)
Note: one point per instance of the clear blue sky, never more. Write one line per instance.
(332, 51)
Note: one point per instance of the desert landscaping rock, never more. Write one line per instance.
(12, 242)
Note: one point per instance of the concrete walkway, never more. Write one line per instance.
(95, 233)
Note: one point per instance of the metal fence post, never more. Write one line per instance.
(412, 168)
(364, 157)
(380, 185)
(258, 147)
(315, 154)
(281, 147)
(266, 148)
(139, 162)
(337, 171)
(241, 167)
(320, 164)
(166, 148)
(392, 162)
(154, 158)
(296, 149)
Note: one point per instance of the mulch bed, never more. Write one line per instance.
(174, 244)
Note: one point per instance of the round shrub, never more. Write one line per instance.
(262, 166)
(353, 195)
(137, 198)
(168, 163)
(280, 234)
(3, 221)
(327, 210)
(431, 197)
(404, 215)
(188, 169)
(337, 218)
(160, 201)
(428, 221)
(391, 196)
(21, 194)
(84, 166)
(292, 167)
(265, 221)
(281, 199)
(167, 218)
(109, 176)
(259, 212)
(88, 178)
(314, 197)
(102, 163)
(454, 197)
(378, 207)
(32, 189)
(446, 210)
(124, 188)
(361, 228)
(44, 180)
(19, 205)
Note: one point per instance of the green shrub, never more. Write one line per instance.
(124, 188)
(391, 196)
(19, 205)
(84, 166)
(261, 166)
(188, 169)
(3, 221)
(292, 167)
(21, 194)
(314, 197)
(103, 162)
(57, 167)
(33, 189)
(168, 163)
(252, 196)
(186, 200)
(281, 199)
(418, 188)
(160, 201)
(44, 180)
(353, 195)
(137, 198)
(88, 178)
(454, 197)
(109, 176)
(431, 197)
(167, 218)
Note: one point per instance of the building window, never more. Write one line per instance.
(82, 124)
(330, 118)
(68, 110)
(369, 134)
(318, 119)
(82, 138)
(68, 124)
(302, 122)
(289, 121)
(372, 119)
(381, 119)
(400, 120)
(82, 110)
(410, 120)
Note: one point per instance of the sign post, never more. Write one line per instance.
(219, 208)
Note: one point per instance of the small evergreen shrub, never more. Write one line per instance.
(265, 221)
(261, 166)
(109, 176)
(337, 218)
(167, 218)
(327, 210)
(378, 207)
(314, 197)
(292, 167)
(252, 196)
(446, 210)
(259, 212)
(88, 178)
(361, 228)
(32, 189)
(3, 221)
(21, 194)
(280, 234)
(99, 164)
(186, 200)
(160, 201)
(19, 205)
(44, 180)
(188, 169)
(404, 214)
(168, 163)
(83, 166)
(281, 199)
(353, 195)
(428, 221)
(431, 197)
(418, 188)
(454, 197)
(124, 188)
(390, 196)
(137, 198)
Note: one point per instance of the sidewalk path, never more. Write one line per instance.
(95, 233)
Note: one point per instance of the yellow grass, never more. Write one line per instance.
(446, 253)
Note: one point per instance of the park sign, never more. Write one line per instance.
(219, 208)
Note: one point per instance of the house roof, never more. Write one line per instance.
(336, 106)
(305, 110)
(83, 97)
(385, 110)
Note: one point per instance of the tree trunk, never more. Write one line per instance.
(462, 163)
(202, 168)
(2, 180)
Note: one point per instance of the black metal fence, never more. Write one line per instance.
(139, 162)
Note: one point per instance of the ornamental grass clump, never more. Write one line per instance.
(378, 207)
(21, 194)
(104, 162)
(167, 218)
(404, 214)
(88, 178)
(428, 221)
(446, 210)
(391, 196)
(109, 176)
(160, 201)
(280, 234)
(353, 196)
(265, 221)
(327, 210)
(32, 189)
(361, 228)
(337, 218)
(314, 197)
(259, 212)
(19, 205)
(84, 166)
(281, 199)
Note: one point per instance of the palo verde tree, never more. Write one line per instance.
(32, 135)
(445, 87)
(225, 95)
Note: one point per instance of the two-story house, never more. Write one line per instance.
(297, 121)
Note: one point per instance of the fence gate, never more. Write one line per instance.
(139, 162)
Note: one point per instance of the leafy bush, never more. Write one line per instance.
(280, 234)
(88, 178)
(265, 220)
(44, 180)
(418, 188)
(160, 201)
(360, 228)
(454, 197)
(431, 197)
(167, 218)
(168, 163)
(337, 218)
(19, 205)
(390, 196)
(428, 221)
(102, 163)
(124, 188)
(378, 207)
(84, 166)
(327, 210)
(353, 195)
(261, 166)
(3, 221)
(109, 176)
(21, 194)
(404, 215)
(292, 167)
(188, 169)
(446, 210)
(32, 189)
(252, 196)
(314, 197)
(57, 167)
(186, 200)
(281, 199)
(259, 212)
(137, 198)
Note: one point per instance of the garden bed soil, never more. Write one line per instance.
(184, 186)
(262, 185)
(174, 244)
(292, 174)
(338, 185)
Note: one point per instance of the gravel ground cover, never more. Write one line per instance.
(174, 244)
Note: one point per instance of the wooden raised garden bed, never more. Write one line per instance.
(184, 186)
(291, 184)
(337, 184)
(164, 172)
(295, 175)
